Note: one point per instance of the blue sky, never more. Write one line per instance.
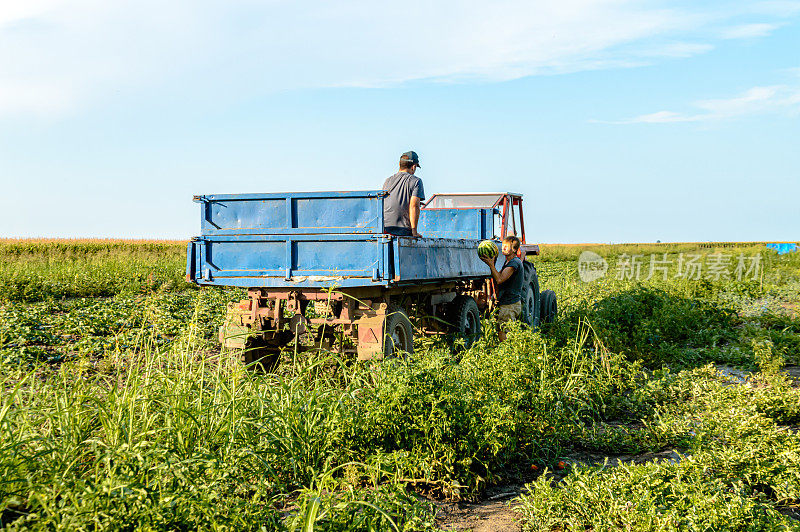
(619, 121)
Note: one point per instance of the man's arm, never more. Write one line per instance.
(499, 277)
(413, 215)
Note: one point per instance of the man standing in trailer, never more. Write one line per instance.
(402, 206)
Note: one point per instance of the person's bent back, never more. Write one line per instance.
(401, 207)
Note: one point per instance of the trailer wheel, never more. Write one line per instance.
(549, 306)
(399, 336)
(260, 354)
(466, 319)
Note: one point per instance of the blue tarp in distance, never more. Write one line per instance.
(783, 247)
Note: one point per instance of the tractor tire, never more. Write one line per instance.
(531, 301)
(549, 306)
(399, 335)
(466, 319)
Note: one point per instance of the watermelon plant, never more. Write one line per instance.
(120, 411)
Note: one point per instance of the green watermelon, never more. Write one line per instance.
(487, 248)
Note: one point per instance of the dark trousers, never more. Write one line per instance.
(397, 231)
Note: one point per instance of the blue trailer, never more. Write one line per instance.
(318, 265)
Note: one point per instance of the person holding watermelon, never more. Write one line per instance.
(402, 205)
(509, 283)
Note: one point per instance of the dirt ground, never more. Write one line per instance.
(794, 373)
(493, 514)
(738, 376)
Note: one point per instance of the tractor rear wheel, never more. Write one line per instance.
(531, 302)
(549, 306)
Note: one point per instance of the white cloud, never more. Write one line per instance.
(678, 50)
(757, 100)
(780, 8)
(793, 71)
(37, 99)
(662, 117)
(11, 12)
(56, 56)
(749, 31)
(752, 100)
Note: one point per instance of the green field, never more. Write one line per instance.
(658, 403)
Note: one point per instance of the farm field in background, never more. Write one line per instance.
(663, 397)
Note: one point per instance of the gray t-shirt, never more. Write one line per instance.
(511, 291)
(401, 187)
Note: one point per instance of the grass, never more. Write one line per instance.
(120, 412)
(41, 270)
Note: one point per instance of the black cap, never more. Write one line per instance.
(411, 156)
